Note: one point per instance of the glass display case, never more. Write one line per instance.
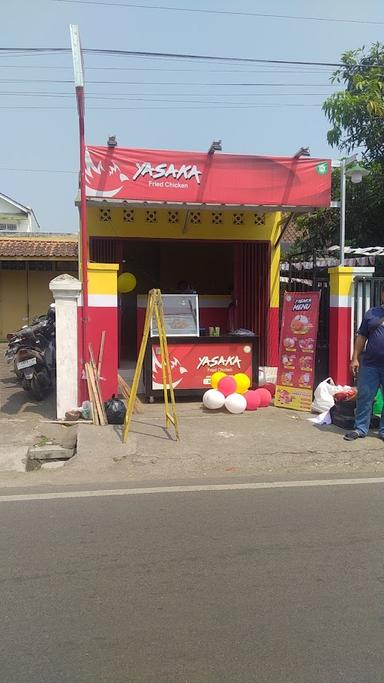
(181, 315)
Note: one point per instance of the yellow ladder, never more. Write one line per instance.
(154, 308)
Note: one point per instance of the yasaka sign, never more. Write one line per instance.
(166, 170)
(162, 175)
(222, 361)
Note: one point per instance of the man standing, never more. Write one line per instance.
(370, 366)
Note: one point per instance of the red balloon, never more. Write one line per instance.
(269, 386)
(253, 400)
(265, 397)
(227, 385)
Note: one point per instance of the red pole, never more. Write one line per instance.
(83, 226)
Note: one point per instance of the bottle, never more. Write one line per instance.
(378, 403)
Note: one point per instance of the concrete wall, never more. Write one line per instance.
(16, 297)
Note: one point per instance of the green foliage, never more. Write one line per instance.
(357, 118)
(357, 113)
(364, 216)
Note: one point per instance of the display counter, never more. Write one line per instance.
(213, 312)
(195, 359)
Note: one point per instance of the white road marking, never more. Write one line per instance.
(198, 488)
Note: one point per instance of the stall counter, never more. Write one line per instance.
(195, 359)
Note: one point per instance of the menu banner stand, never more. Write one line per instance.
(297, 354)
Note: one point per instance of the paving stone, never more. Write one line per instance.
(50, 452)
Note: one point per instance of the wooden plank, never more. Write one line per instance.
(96, 395)
(126, 392)
(101, 353)
(95, 416)
(92, 357)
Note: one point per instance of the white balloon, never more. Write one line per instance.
(213, 399)
(236, 403)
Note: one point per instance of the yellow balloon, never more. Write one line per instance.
(242, 382)
(126, 282)
(215, 379)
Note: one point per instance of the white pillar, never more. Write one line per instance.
(65, 290)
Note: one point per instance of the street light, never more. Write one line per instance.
(351, 168)
(356, 172)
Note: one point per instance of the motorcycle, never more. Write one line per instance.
(33, 353)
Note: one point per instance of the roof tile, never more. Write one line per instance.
(37, 248)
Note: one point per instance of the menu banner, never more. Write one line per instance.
(297, 356)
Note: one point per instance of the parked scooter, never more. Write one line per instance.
(33, 353)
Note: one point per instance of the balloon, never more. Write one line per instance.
(242, 382)
(271, 387)
(215, 379)
(253, 400)
(213, 399)
(265, 397)
(126, 282)
(227, 385)
(235, 403)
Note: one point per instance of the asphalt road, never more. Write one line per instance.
(231, 586)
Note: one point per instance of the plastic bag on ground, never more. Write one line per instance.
(115, 410)
(323, 399)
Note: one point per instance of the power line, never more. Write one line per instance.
(140, 96)
(182, 83)
(218, 106)
(162, 55)
(173, 55)
(267, 69)
(222, 12)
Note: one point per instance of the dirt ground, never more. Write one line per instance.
(17, 403)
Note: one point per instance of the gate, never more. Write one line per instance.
(313, 283)
(367, 293)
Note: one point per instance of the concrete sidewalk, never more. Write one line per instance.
(270, 441)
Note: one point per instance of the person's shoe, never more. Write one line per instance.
(381, 436)
(352, 436)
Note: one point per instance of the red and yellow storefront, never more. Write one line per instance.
(212, 221)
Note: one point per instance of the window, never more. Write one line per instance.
(128, 215)
(259, 218)
(173, 216)
(151, 217)
(10, 227)
(217, 218)
(105, 215)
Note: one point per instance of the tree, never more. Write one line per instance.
(357, 118)
(357, 113)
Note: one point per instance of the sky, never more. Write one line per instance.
(162, 103)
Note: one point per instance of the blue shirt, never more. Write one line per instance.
(374, 352)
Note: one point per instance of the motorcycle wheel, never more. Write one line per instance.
(40, 385)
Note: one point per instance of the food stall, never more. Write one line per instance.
(194, 357)
(212, 220)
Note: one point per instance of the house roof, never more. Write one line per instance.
(21, 207)
(39, 247)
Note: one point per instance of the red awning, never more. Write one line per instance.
(174, 177)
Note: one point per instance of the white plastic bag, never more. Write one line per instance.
(323, 398)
